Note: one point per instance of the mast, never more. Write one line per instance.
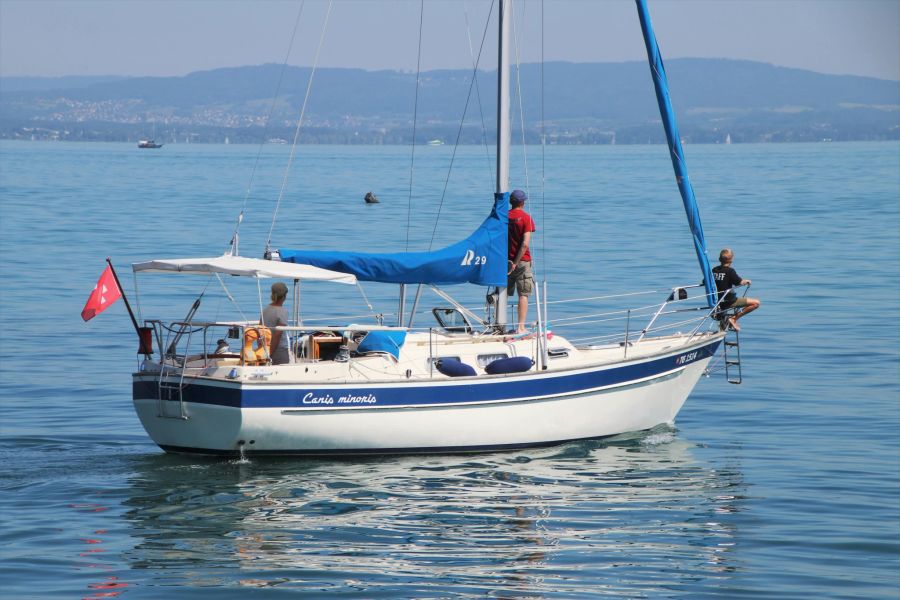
(503, 128)
(660, 82)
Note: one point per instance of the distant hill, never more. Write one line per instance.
(585, 103)
(31, 84)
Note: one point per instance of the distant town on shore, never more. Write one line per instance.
(716, 100)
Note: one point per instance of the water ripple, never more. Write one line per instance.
(784, 487)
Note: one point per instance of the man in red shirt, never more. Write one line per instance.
(519, 275)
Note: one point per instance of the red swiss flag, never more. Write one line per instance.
(105, 293)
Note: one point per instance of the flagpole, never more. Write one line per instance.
(127, 305)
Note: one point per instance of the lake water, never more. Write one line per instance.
(787, 486)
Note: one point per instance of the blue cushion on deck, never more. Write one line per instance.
(453, 367)
(513, 364)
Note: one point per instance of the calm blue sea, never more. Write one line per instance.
(787, 486)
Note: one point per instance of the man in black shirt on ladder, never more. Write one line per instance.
(726, 278)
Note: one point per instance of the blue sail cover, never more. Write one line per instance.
(479, 259)
(661, 83)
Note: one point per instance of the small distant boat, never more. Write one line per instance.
(436, 142)
(148, 144)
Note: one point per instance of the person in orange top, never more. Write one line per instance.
(519, 273)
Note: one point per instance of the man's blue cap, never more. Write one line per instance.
(518, 196)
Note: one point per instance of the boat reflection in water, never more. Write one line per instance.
(638, 514)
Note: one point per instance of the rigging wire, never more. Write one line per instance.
(309, 83)
(230, 297)
(520, 99)
(459, 131)
(487, 152)
(240, 219)
(544, 260)
(462, 121)
(412, 158)
(366, 299)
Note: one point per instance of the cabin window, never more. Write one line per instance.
(558, 352)
(486, 359)
(451, 320)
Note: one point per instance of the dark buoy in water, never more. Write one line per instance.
(371, 199)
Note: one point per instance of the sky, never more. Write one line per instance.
(176, 37)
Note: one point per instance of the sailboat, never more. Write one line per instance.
(462, 384)
(150, 143)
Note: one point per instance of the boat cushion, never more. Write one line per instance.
(453, 367)
(513, 364)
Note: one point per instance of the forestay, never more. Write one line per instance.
(661, 85)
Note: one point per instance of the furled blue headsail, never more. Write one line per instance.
(661, 83)
(479, 259)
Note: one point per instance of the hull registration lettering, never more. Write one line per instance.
(686, 358)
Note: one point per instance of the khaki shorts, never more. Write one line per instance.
(740, 302)
(520, 280)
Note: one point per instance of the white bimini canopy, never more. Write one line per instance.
(242, 266)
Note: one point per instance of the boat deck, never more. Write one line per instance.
(417, 357)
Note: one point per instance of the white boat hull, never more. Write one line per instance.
(431, 426)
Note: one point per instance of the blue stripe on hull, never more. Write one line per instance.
(376, 395)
